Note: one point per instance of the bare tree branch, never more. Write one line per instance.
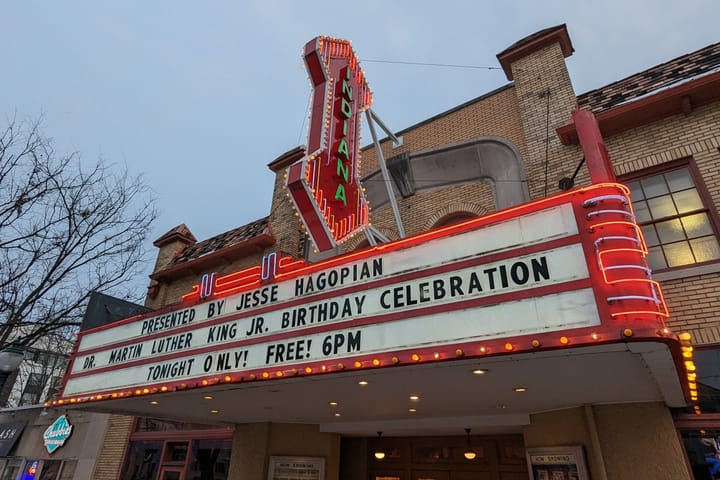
(65, 230)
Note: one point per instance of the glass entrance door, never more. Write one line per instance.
(172, 473)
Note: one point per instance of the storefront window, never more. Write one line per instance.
(188, 459)
(703, 453)
(12, 469)
(142, 460)
(50, 469)
(210, 460)
(699, 423)
(175, 452)
(31, 469)
(68, 470)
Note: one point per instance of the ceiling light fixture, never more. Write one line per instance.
(479, 371)
(469, 452)
(379, 452)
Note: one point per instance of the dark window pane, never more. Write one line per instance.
(642, 214)
(687, 201)
(68, 470)
(656, 259)
(33, 389)
(50, 469)
(654, 186)
(635, 191)
(705, 249)
(11, 471)
(662, 207)
(651, 238)
(679, 179)
(175, 452)
(142, 461)
(210, 460)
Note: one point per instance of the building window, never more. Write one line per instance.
(675, 220)
(68, 470)
(33, 389)
(53, 387)
(142, 460)
(186, 455)
(12, 469)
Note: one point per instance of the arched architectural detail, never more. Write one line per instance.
(360, 241)
(453, 209)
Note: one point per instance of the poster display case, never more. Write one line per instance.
(296, 468)
(557, 463)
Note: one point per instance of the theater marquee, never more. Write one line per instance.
(564, 271)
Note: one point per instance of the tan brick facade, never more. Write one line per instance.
(109, 463)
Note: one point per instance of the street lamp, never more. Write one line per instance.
(10, 359)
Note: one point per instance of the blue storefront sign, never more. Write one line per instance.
(56, 434)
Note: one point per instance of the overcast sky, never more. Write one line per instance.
(200, 96)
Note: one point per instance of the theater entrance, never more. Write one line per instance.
(434, 458)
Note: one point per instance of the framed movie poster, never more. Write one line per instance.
(557, 463)
(296, 468)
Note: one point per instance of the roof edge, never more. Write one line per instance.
(229, 253)
(180, 233)
(287, 159)
(682, 98)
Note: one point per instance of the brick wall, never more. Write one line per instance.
(546, 100)
(284, 224)
(495, 115)
(109, 462)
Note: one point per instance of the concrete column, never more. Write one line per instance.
(255, 443)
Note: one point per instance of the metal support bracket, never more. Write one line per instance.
(371, 119)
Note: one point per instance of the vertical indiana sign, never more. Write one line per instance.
(325, 184)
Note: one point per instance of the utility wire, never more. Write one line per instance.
(447, 65)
